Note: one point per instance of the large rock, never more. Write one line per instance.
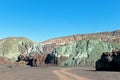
(52, 58)
(109, 61)
(35, 59)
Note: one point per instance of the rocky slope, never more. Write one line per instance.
(12, 47)
(102, 36)
(85, 52)
(51, 44)
(80, 49)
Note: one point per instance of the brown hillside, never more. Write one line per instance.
(50, 44)
(103, 36)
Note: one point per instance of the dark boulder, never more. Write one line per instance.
(52, 58)
(38, 60)
(109, 61)
(32, 59)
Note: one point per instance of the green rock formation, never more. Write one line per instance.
(13, 46)
(85, 52)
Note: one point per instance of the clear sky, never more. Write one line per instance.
(40, 20)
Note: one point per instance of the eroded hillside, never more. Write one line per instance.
(103, 36)
(85, 52)
(13, 46)
(80, 49)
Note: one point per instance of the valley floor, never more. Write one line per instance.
(14, 72)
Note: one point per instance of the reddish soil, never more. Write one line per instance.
(15, 72)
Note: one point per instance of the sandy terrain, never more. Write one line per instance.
(14, 72)
(27, 73)
(64, 75)
(91, 74)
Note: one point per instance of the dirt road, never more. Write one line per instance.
(14, 72)
(64, 75)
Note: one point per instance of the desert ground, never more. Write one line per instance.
(21, 72)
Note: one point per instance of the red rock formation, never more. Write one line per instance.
(33, 59)
(38, 60)
(4, 60)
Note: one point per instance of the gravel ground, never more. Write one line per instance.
(12, 72)
(15, 72)
(91, 74)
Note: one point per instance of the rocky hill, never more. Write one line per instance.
(80, 49)
(103, 36)
(13, 46)
(84, 52)
(50, 44)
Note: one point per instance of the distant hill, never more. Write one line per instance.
(102, 36)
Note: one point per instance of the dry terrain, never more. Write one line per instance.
(15, 72)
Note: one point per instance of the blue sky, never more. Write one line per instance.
(40, 20)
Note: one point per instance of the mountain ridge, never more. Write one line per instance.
(49, 45)
(82, 36)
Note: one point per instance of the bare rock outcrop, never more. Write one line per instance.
(102, 36)
(35, 59)
(109, 61)
(54, 60)
(38, 60)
